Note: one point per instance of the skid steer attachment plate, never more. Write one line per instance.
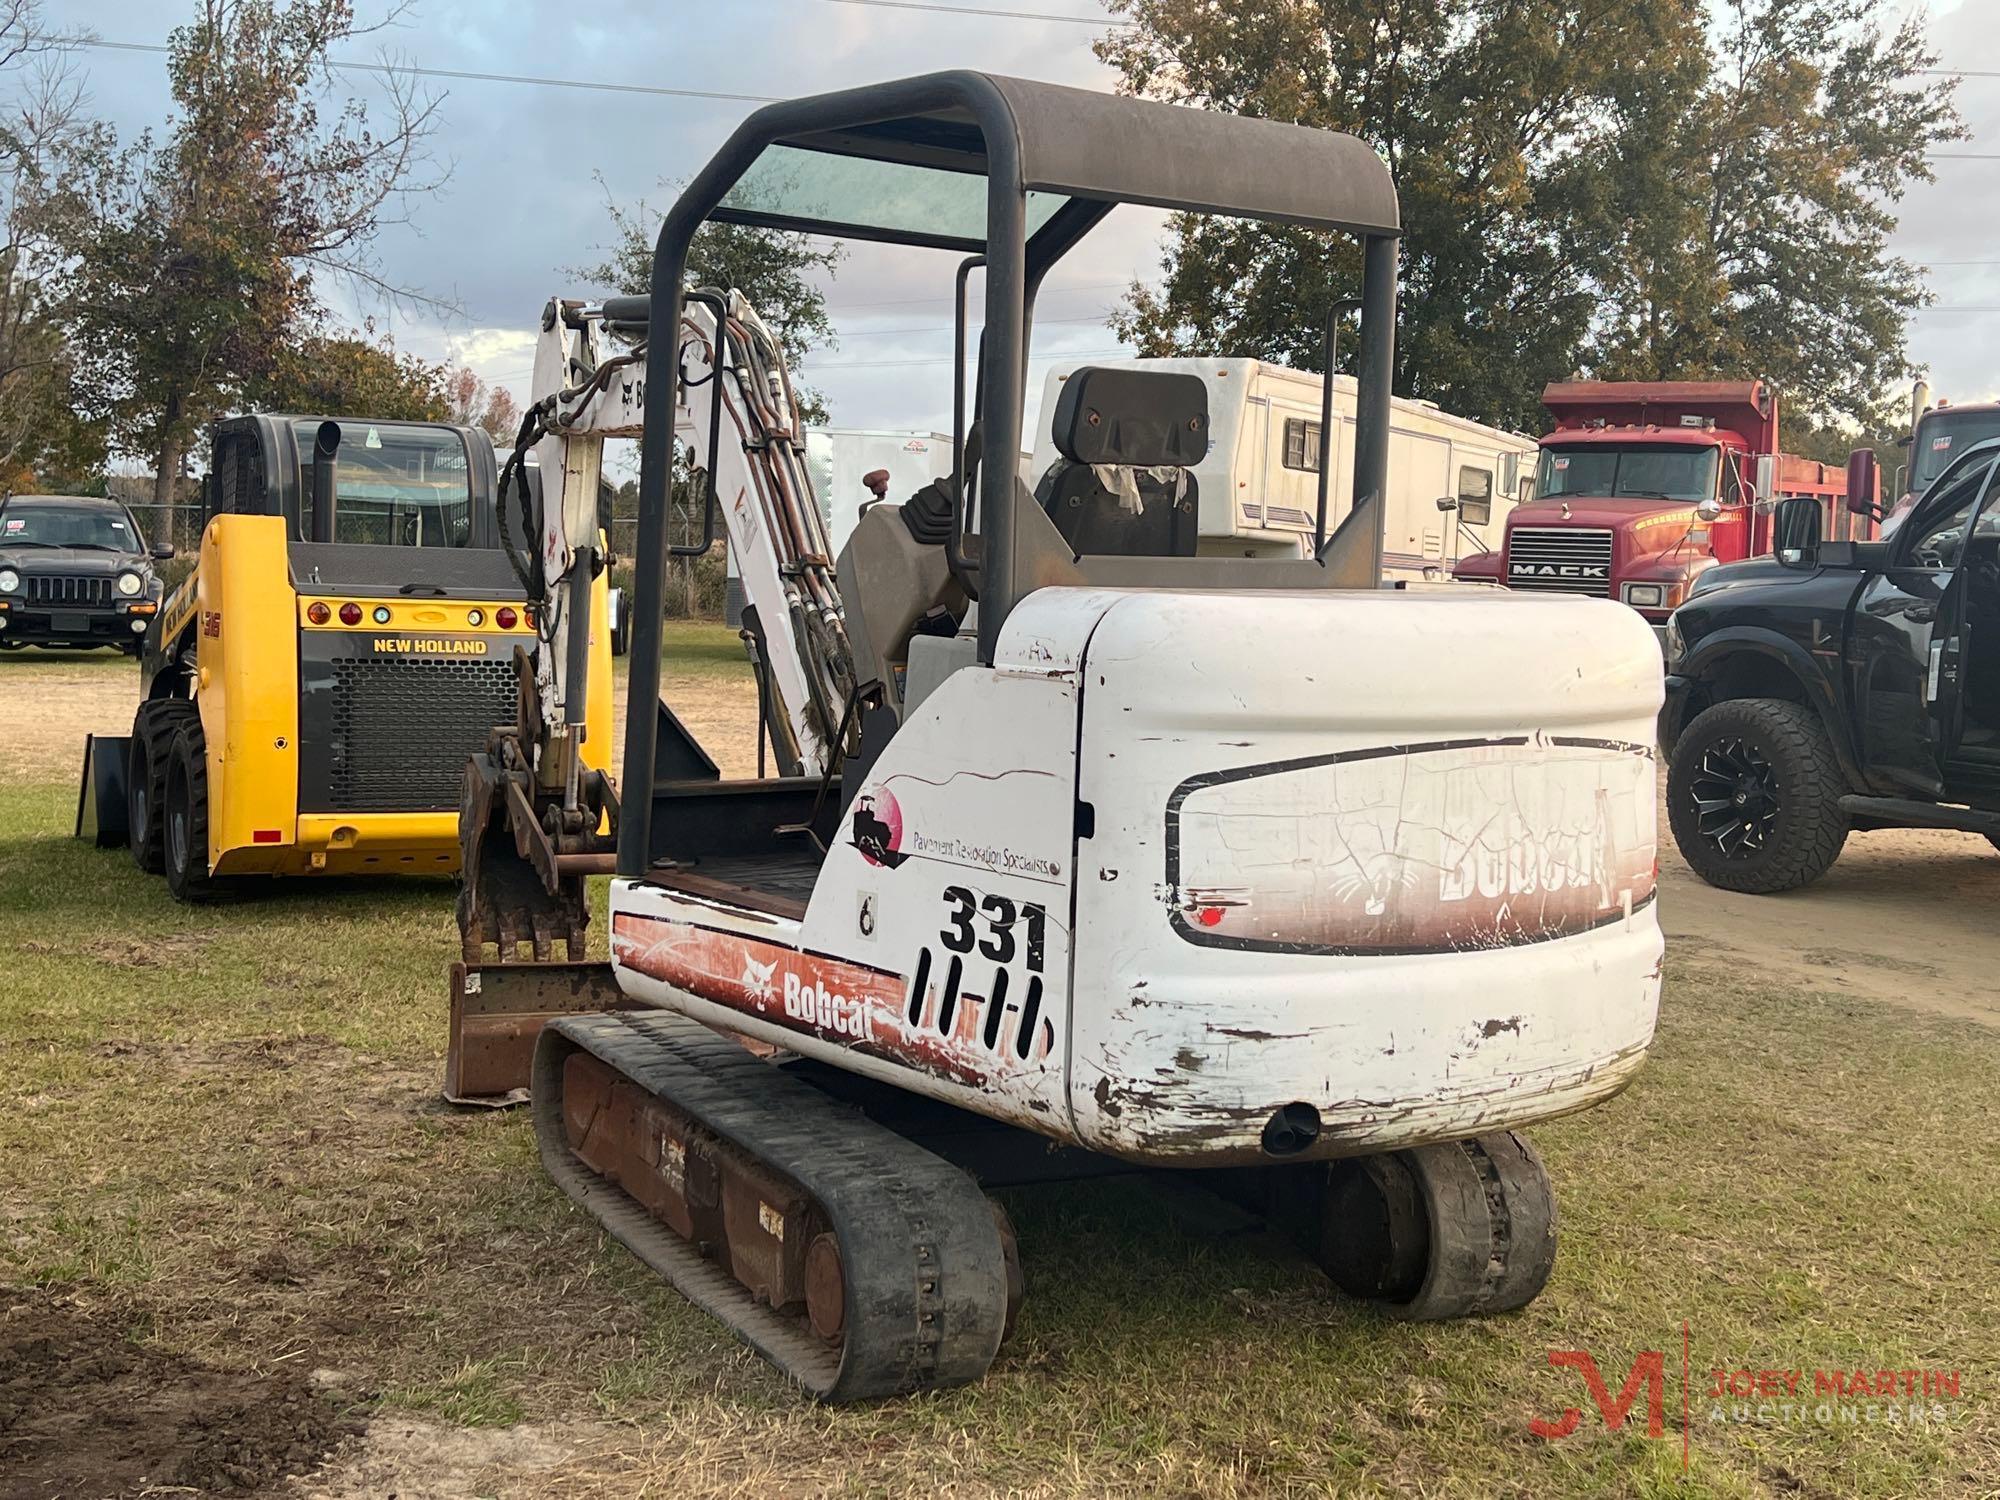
(100, 801)
(497, 1012)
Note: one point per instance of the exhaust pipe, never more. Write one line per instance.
(326, 444)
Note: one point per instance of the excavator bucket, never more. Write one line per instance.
(497, 1013)
(100, 801)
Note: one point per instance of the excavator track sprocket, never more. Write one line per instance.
(857, 1262)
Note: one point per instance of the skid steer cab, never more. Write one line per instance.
(311, 691)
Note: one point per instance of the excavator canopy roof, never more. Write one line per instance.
(904, 161)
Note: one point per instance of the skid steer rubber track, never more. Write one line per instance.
(918, 1249)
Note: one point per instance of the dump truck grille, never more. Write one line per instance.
(1560, 559)
(402, 727)
(69, 592)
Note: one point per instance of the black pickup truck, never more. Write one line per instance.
(1839, 686)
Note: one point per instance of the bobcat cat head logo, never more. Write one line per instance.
(756, 978)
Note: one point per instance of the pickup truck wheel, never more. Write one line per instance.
(1753, 796)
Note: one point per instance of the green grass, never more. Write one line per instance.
(703, 648)
(220, 1126)
(29, 657)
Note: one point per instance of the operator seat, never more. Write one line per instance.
(1127, 439)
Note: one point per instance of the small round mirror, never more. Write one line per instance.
(1709, 509)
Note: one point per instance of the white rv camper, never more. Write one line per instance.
(839, 457)
(1259, 487)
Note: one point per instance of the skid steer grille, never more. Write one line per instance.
(74, 592)
(402, 727)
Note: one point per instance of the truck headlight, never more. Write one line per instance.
(131, 585)
(9, 580)
(1645, 595)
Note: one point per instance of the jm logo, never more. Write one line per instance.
(1648, 1370)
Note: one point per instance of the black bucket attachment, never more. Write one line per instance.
(100, 802)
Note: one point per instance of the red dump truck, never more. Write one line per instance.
(1644, 485)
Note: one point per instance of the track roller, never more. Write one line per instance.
(854, 1260)
(1448, 1231)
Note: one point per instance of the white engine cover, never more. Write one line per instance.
(1181, 859)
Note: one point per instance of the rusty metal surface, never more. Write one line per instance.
(765, 1227)
(497, 1012)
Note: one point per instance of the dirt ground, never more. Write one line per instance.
(84, 1411)
(52, 707)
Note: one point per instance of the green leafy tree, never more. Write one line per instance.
(191, 260)
(348, 376)
(1562, 169)
(1758, 206)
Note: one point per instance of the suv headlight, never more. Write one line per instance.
(1676, 646)
(131, 585)
(9, 580)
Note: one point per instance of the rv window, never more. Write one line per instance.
(1301, 444)
(1475, 496)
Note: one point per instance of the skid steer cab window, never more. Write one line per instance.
(395, 484)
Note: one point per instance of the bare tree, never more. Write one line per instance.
(193, 268)
(46, 142)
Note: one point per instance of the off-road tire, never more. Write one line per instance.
(186, 819)
(153, 731)
(1809, 828)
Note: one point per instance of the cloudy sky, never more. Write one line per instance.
(521, 205)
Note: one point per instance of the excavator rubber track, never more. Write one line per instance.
(908, 1274)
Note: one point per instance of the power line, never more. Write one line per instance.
(393, 69)
(975, 10)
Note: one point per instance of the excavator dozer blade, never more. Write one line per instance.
(100, 802)
(497, 1013)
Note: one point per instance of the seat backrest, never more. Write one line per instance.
(1127, 440)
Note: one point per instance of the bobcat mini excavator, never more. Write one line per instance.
(1084, 855)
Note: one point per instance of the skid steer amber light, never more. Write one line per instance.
(318, 613)
(505, 617)
(350, 614)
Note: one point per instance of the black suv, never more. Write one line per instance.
(1839, 686)
(74, 572)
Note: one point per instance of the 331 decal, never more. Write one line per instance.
(1000, 938)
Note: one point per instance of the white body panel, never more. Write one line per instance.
(1218, 882)
(1250, 500)
(839, 456)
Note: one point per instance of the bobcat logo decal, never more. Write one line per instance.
(757, 978)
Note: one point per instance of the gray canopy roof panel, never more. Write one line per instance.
(1075, 142)
(1134, 150)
